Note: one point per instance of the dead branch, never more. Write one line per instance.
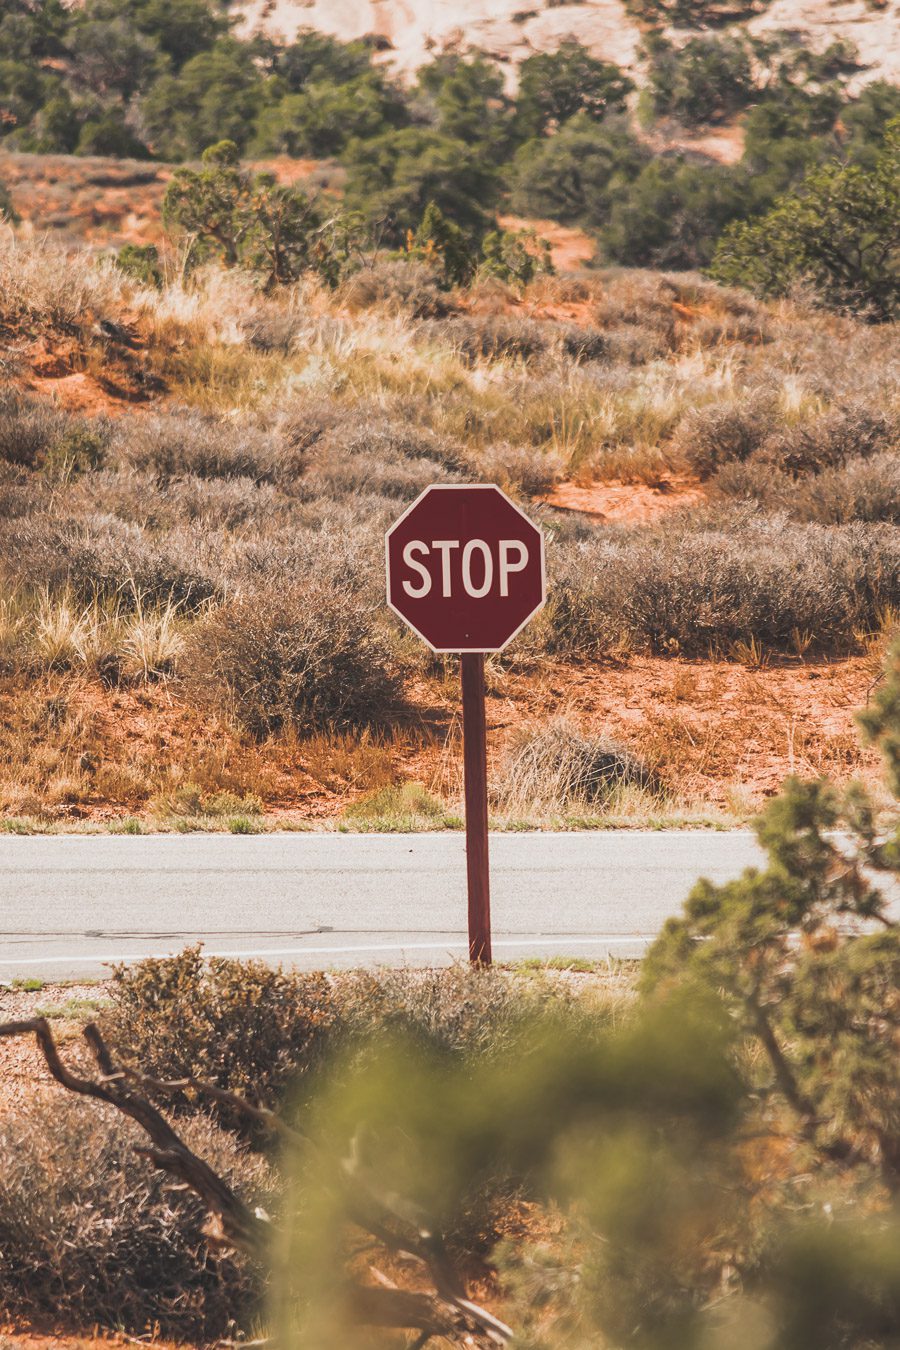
(239, 1224)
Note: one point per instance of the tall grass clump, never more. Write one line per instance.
(557, 768)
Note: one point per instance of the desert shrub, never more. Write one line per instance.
(271, 329)
(460, 1013)
(91, 1235)
(828, 441)
(28, 428)
(237, 1024)
(399, 286)
(559, 767)
(584, 344)
(182, 442)
(723, 433)
(860, 489)
(100, 556)
(398, 806)
(41, 282)
(305, 657)
(490, 338)
(361, 454)
(526, 469)
(707, 585)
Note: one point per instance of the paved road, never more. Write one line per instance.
(70, 904)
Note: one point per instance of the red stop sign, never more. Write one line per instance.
(465, 568)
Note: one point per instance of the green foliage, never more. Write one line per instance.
(723, 1168)
(141, 263)
(575, 175)
(216, 96)
(806, 960)
(672, 213)
(323, 118)
(515, 256)
(441, 244)
(253, 221)
(556, 86)
(839, 232)
(107, 134)
(318, 58)
(395, 177)
(709, 79)
(865, 121)
(467, 101)
(880, 722)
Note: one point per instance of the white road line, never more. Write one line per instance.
(462, 945)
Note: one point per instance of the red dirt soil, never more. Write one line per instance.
(711, 729)
(635, 503)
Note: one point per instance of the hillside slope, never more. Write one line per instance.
(511, 30)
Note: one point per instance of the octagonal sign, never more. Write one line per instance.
(465, 568)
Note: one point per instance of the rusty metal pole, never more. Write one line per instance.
(475, 767)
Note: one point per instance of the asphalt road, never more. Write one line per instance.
(69, 905)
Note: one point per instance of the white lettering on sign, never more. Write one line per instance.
(417, 546)
(506, 545)
(513, 557)
(477, 592)
(445, 545)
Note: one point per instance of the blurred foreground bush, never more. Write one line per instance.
(713, 1167)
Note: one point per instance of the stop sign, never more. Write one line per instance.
(465, 568)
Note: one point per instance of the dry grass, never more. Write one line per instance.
(155, 547)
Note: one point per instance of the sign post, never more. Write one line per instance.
(475, 774)
(465, 571)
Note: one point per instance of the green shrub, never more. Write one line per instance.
(237, 1024)
(672, 213)
(397, 807)
(574, 176)
(709, 79)
(837, 233)
(558, 85)
(393, 178)
(141, 263)
(253, 221)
